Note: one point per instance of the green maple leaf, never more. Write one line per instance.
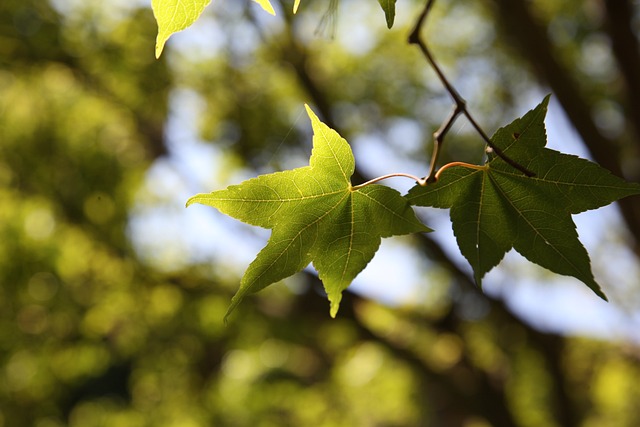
(495, 208)
(173, 16)
(317, 216)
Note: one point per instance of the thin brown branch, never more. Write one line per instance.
(438, 138)
(460, 103)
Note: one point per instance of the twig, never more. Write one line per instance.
(460, 103)
(438, 139)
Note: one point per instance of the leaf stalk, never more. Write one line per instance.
(421, 181)
(461, 164)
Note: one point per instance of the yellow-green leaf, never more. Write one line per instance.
(315, 216)
(173, 16)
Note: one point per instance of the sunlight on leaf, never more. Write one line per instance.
(173, 16)
(315, 216)
(266, 5)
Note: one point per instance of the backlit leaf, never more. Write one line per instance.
(315, 215)
(173, 16)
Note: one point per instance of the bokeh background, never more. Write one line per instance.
(112, 294)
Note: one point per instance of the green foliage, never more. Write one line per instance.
(495, 207)
(96, 329)
(316, 215)
(174, 16)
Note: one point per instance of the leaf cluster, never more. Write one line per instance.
(522, 197)
(174, 16)
(317, 216)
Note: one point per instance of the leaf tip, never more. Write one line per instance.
(160, 42)
(190, 201)
(389, 8)
(310, 112)
(312, 116)
(424, 228)
(235, 301)
(295, 6)
(598, 291)
(266, 5)
(390, 18)
(334, 300)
